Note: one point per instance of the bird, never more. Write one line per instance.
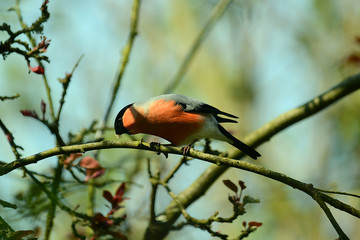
(179, 119)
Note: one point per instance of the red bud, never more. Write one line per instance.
(37, 69)
(43, 107)
(255, 224)
(28, 113)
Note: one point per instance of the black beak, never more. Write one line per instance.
(118, 124)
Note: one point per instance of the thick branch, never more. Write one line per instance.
(219, 161)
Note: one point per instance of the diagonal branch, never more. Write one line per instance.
(342, 235)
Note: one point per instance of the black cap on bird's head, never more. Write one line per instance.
(118, 124)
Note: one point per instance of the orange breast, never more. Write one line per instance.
(164, 119)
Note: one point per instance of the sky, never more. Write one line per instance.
(277, 46)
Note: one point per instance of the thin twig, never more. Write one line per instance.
(202, 224)
(217, 12)
(10, 137)
(125, 56)
(322, 204)
(33, 44)
(6, 204)
(55, 200)
(6, 226)
(175, 169)
(174, 197)
(65, 82)
(54, 128)
(91, 198)
(338, 193)
(3, 98)
(154, 180)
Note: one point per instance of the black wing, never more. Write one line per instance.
(206, 108)
(194, 106)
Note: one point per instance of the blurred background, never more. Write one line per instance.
(261, 59)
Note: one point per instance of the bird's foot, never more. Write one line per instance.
(186, 150)
(156, 146)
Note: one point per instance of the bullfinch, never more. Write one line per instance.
(179, 119)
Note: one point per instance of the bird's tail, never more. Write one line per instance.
(239, 144)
